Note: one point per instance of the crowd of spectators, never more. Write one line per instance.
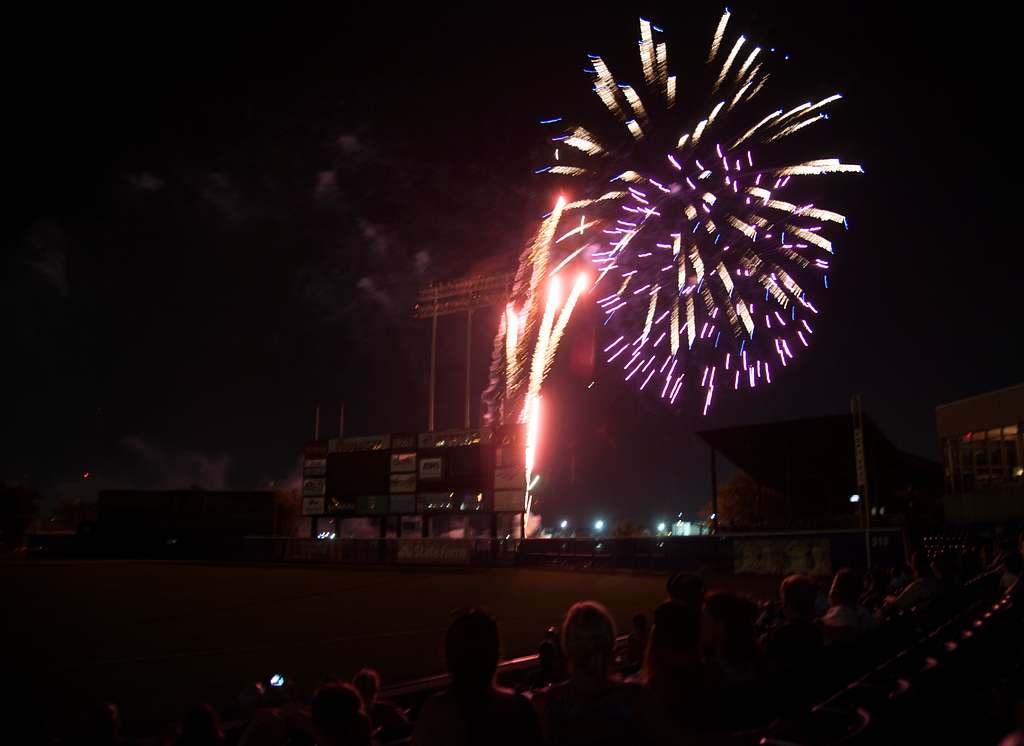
(707, 661)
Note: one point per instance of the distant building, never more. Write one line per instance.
(804, 475)
(983, 454)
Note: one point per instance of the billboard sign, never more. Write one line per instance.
(430, 468)
(314, 467)
(510, 478)
(313, 506)
(434, 551)
(314, 487)
(403, 483)
(362, 443)
(402, 462)
(509, 501)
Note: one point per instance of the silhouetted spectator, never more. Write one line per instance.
(594, 707)
(338, 716)
(1012, 565)
(547, 674)
(686, 588)
(474, 710)
(949, 572)
(636, 643)
(730, 636)
(797, 642)
(900, 578)
(876, 583)
(846, 620)
(200, 727)
(922, 589)
(383, 714)
(239, 717)
(674, 673)
(560, 669)
(104, 727)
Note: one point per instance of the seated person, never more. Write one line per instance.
(474, 710)
(338, 716)
(593, 706)
(1012, 565)
(730, 638)
(922, 589)
(636, 643)
(384, 715)
(797, 642)
(846, 620)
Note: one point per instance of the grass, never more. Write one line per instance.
(155, 637)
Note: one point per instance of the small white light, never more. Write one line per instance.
(599, 525)
(855, 498)
(661, 527)
(564, 524)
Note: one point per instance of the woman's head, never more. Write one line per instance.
(588, 639)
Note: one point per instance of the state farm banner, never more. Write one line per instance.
(434, 551)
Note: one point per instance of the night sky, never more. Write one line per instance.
(214, 222)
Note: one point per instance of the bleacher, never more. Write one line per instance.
(886, 689)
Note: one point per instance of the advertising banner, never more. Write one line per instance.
(314, 467)
(782, 556)
(403, 483)
(362, 443)
(313, 487)
(403, 462)
(312, 506)
(434, 551)
(509, 501)
(510, 478)
(430, 468)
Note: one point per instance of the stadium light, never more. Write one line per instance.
(598, 524)
(855, 498)
(661, 527)
(564, 524)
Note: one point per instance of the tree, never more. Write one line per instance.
(742, 502)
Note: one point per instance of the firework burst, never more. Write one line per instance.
(708, 244)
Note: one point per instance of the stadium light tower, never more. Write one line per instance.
(447, 298)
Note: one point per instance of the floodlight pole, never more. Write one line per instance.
(433, 363)
(469, 357)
